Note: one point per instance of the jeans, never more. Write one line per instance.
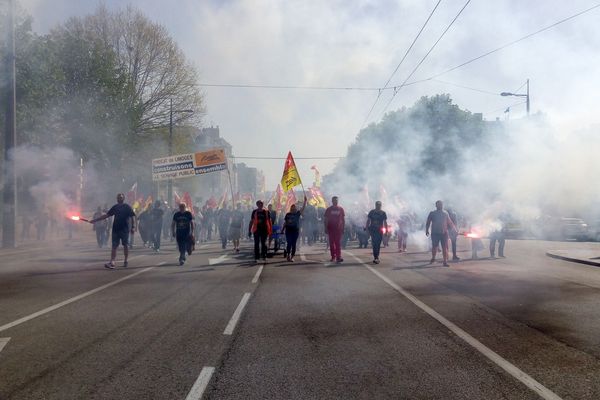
(260, 240)
(155, 237)
(291, 238)
(183, 243)
(101, 237)
(501, 238)
(376, 237)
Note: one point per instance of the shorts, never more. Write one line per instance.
(121, 236)
(235, 233)
(437, 238)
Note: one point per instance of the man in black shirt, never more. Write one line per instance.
(182, 228)
(223, 220)
(123, 223)
(156, 221)
(260, 226)
(376, 223)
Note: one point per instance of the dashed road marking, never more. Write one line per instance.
(236, 315)
(510, 368)
(218, 260)
(201, 383)
(257, 275)
(3, 342)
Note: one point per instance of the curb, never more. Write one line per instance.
(571, 259)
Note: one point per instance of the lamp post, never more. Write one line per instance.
(526, 95)
(171, 112)
(9, 190)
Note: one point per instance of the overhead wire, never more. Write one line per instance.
(385, 87)
(504, 46)
(425, 56)
(288, 87)
(506, 107)
(284, 158)
(466, 87)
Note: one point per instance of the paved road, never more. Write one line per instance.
(523, 327)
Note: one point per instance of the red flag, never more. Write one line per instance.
(211, 203)
(291, 200)
(132, 194)
(187, 199)
(278, 199)
(223, 201)
(148, 202)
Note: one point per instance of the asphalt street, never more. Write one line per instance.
(522, 327)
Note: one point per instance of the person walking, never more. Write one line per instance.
(223, 222)
(376, 226)
(100, 228)
(440, 224)
(235, 227)
(182, 228)
(260, 226)
(291, 227)
(334, 221)
(123, 224)
(453, 234)
(497, 235)
(155, 224)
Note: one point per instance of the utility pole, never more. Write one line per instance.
(170, 182)
(9, 193)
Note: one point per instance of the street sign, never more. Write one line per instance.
(186, 165)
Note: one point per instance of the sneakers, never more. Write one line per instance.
(455, 258)
(339, 260)
(125, 264)
(109, 265)
(445, 264)
(181, 261)
(376, 261)
(432, 261)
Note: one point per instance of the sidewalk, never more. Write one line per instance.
(582, 256)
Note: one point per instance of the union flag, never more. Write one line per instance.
(290, 178)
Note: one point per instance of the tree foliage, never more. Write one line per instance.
(410, 146)
(101, 85)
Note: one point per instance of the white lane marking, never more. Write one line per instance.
(201, 383)
(236, 315)
(161, 263)
(203, 246)
(3, 342)
(69, 301)
(302, 256)
(257, 275)
(218, 260)
(513, 370)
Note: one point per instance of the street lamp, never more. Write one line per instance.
(526, 95)
(171, 112)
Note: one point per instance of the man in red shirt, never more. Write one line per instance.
(334, 220)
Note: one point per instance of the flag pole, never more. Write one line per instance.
(231, 187)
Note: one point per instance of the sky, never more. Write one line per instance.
(345, 43)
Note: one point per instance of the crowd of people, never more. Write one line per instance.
(270, 229)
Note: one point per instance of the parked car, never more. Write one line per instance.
(594, 230)
(565, 228)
